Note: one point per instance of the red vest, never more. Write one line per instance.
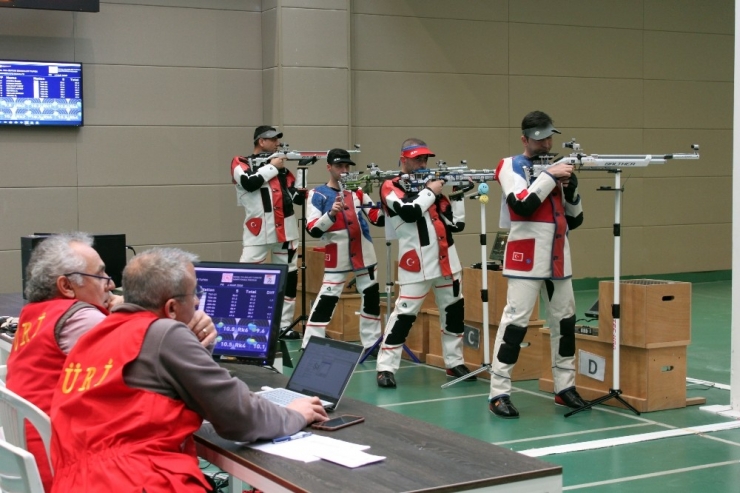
(107, 436)
(32, 377)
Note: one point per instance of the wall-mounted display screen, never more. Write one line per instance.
(40, 93)
(78, 5)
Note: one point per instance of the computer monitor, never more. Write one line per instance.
(499, 247)
(245, 302)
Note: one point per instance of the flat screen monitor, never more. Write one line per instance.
(75, 5)
(36, 94)
(245, 302)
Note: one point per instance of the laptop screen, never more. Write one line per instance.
(245, 302)
(325, 368)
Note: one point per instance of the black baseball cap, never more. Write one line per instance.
(337, 156)
(266, 132)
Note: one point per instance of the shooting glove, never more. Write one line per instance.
(571, 189)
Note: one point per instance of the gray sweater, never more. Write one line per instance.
(173, 363)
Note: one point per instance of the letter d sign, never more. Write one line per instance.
(591, 365)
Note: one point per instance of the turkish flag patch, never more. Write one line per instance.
(410, 261)
(520, 255)
(330, 255)
(254, 225)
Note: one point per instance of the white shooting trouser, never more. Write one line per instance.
(257, 254)
(408, 304)
(331, 289)
(521, 296)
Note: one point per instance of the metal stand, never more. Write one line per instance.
(303, 318)
(615, 391)
(388, 297)
(482, 197)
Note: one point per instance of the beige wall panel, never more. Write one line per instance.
(125, 95)
(178, 214)
(271, 114)
(231, 251)
(315, 96)
(36, 48)
(318, 4)
(230, 215)
(314, 38)
(430, 100)
(481, 10)
(250, 5)
(689, 248)
(715, 152)
(600, 103)
(26, 23)
(668, 202)
(408, 44)
(592, 252)
(319, 139)
(715, 16)
(118, 156)
(206, 252)
(269, 39)
(587, 51)
(269, 5)
(679, 104)
(10, 266)
(38, 157)
(602, 13)
(688, 56)
(25, 211)
(598, 205)
(141, 35)
(481, 147)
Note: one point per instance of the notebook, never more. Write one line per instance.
(324, 371)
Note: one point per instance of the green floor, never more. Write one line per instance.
(708, 463)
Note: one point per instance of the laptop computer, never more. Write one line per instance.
(496, 258)
(324, 371)
(593, 312)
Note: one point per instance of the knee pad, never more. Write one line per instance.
(400, 330)
(324, 309)
(291, 285)
(455, 315)
(567, 337)
(509, 351)
(371, 300)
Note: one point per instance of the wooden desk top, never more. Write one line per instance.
(419, 456)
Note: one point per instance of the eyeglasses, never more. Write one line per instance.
(106, 279)
(198, 293)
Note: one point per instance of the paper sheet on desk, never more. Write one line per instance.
(317, 447)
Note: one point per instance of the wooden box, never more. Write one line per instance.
(497, 284)
(653, 313)
(527, 367)
(651, 379)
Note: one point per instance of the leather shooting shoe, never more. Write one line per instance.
(386, 379)
(461, 371)
(290, 334)
(503, 408)
(570, 398)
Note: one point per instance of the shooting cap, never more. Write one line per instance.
(266, 132)
(338, 156)
(539, 133)
(416, 150)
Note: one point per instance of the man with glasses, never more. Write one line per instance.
(267, 191)
(424, 221)
(68, 293)
(146, 384)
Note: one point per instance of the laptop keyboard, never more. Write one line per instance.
(283, 397)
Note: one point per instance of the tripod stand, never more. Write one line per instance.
(482, 197)
(614, 164)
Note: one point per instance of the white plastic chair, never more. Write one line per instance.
(18, 470)
(3, 374)
(14, 410)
